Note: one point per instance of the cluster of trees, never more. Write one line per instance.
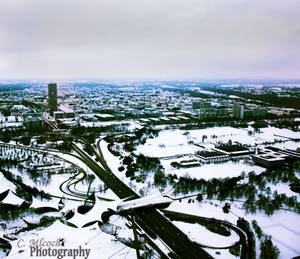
(14, 157)
(269, 204)
(38, 177)
(258, 196)
(267, 249)
(276, 175)
(140, 138)
(26, 162)
(286, 124)
(235, 250)
(64, 147)
(130, 142)
(258, 124)
(175, 164)
(7, 162)
(23, 136)
(5, 137)
(160, 179)
(89, 149)
(139, 166)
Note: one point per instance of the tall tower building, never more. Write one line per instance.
(52, 97)
(238, 111)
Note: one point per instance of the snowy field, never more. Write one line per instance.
(175, 142)
(208, 171)
(282, 225)
(283, 188)
(92, 238)
(203, 236)
(167, 143)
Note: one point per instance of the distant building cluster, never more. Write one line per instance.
(90, 104)
(20, 117)
(236, 110)
(143, 106)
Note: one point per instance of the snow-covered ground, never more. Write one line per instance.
(208, 171)
(283, 188)
(203, 236)
(282, 225)
(91, 238)
(114, 163)
(175, 142)
(13, 199)
(76, 161)
(283, 228)
(289, 144)
(5, 184)
(169, 144)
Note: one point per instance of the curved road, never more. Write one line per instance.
(149, 219)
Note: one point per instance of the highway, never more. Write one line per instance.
(174, 238)
(153, 222)
(148, 219)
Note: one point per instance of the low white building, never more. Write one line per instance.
(11, 122)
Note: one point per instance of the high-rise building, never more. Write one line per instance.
(238, 111)
(52, 97)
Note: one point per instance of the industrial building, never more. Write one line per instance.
(212, 157)
(268, 158)
(233, 150)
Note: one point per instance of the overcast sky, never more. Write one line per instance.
(149, 39)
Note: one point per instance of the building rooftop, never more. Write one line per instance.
(209, 154)
(65, 109)
(232, 148)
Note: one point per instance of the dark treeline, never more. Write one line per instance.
(23, 190)
(272, 98)
(14, 87)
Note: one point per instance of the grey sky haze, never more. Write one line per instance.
(159, 39)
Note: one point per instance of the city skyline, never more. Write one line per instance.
(187, 170)
(149, 40)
